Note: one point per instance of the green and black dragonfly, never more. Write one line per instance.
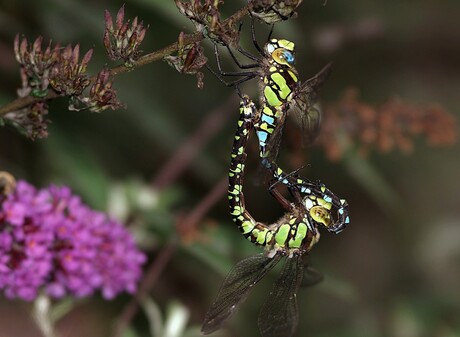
(289, 238)
(282, 93)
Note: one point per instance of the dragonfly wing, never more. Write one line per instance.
(235, 289)
(280, 314)
(316, 82)
(304, 105)
(274, 142)
(309, 118)
(311, 277)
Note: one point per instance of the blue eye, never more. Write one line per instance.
(288, 57)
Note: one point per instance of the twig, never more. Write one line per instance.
(23, 102)
(189, 223)
(149, 280)
(165, 255)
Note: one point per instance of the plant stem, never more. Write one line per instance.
(42, 315)
(23, 102)
(190, 148)
(149, 280)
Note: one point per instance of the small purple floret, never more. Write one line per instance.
(51, 241)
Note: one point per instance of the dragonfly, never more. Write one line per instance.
(281, 93)
(289, 238)
(272, 11)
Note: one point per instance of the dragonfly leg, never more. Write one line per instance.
(286, 204)
(226, 73)
(254, 40)
(245, 53)
(229, 84)
(246, 76)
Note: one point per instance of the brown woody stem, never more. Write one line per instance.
(23, 102)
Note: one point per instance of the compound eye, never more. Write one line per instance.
(320, 215)
(283, 57)
(289, 57)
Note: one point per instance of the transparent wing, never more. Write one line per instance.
(235, 289)
(310, 124)
(280, 314)
(311, 277)
(304, 106)
(274, 142)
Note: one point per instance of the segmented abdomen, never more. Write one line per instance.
(290, 232)
(253, 231)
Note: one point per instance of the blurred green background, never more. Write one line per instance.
(395, 271)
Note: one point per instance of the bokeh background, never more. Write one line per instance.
(160, 165)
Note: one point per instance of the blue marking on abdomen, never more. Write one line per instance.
(267, 119)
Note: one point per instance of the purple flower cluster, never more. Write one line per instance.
(51, 241)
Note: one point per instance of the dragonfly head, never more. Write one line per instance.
(319, 210)
(281, 51)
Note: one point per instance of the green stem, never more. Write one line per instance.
(42, 315)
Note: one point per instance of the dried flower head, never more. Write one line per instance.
(36, 65)
(51, 241)
(123, 40)
(272, 11)
(206, 18)
(68, 75)
(31, 120)
(102, 96)
(189, 59)
(395, 124)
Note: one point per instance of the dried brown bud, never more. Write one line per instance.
(36, 65)
(189, 59)
(206, 18)
(68, 76)
(122, 41)
(394, 125)
(439, 126)
(102, 96)
(31, 120)
(272, 11)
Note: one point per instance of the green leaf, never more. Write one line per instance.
(153, 313)
(176, 320)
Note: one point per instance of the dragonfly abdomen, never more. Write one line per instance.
(291, 232)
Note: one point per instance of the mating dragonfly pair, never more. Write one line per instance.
(293, 235)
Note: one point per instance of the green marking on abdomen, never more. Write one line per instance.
(300, 235)
(282, 234)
